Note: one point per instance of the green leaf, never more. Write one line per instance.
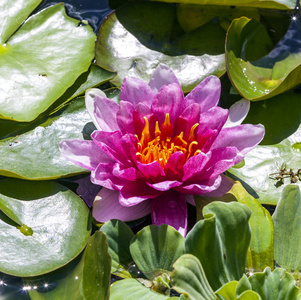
(280, 147)
(277, 285)
(55, 226)
(136, 38)
(119, 236)
(27, 154)
(40, 61)
(260, 254)
(89, 279)
(155, 249)
(192, 16)
(189, 278)
(129, 289)
(12, 16)
(258, 77)
(287, 223)
(221, 241)
(280, 4)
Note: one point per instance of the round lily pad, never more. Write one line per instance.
(43, 226)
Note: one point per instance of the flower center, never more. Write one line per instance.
(160, 145)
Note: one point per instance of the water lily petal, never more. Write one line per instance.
(174, 165)
(224, 188)
(124, 117)
(170, 208)
(105, 111)
(206, 93)
(83, 153)
(103, 175)
(244, 137)
(130, 174)
(151, 171)
(110, 143)
(135, 90)
(133, 193)
(200, 188)
(106, 207)
(169, 99)
(163, 75)
(89, 101)
(164, 185)
(237, 113)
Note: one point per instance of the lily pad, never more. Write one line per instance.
(88, 279)
(279, 148)
(129, 289)
(189, 278)
(137, 37)
(280, 4)
(258, 78)
(27, 154)
(155, 249)
(55, 226)
(119, 236)
(41, 60)
(221, 241)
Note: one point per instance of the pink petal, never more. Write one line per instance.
(170, 208)
(106, 206)
(135, 192)
(129, 174)
(110, 143)
(199, 188)
(237, 113)
(224, 188)
(244, 137)
(103, 175)
(174, 166)
(83, 153)
(124, 117)
(169, 99)
(163, 75)
(128, 142)
(206, 93)
(89, 101)
(164, 185)
(105, 111)
(135, 90)
(152, 172)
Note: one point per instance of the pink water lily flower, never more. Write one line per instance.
(156, 147)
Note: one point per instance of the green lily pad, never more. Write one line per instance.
(41, 60)
(221, 241)
(255, 77)
(88, 279)
(55, 226)
(287, 222)
(119, 236)
(155, 249)
(280, 4)
(129, 289)
(137, 37)
(189, 278)
(27, 154)
(93, 77)
(279, 148)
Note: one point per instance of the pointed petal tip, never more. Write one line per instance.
(237, 113)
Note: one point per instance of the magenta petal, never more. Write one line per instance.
(169, 99)
(125, 117)
(129, 174)
(163, 75)
(170, 208)
(174, 166)
(164, 185)
(244, 137)
(135, 90)
(105, 111)
(153, 171)
(106, 206)
(199, 188)
(83, 153)
(103, 175)
(135, 192)
(238, 112)
(206, 93)
(224, 188)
